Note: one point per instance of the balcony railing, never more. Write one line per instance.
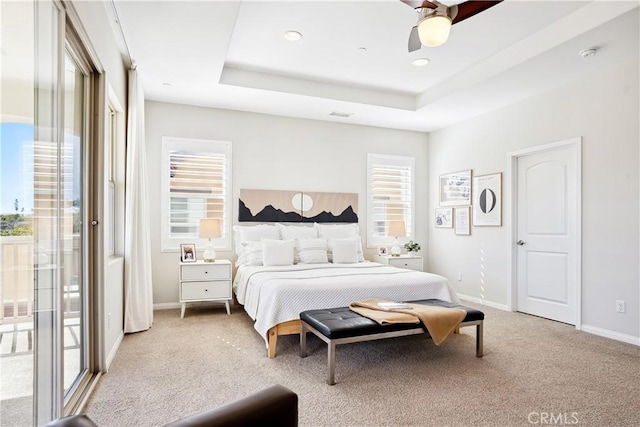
(20, 263)
(16, 279)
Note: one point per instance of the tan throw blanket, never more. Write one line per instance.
(439, 321)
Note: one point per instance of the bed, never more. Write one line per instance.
(274, 296)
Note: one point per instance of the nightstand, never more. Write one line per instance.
(411, 262)
(205, 281)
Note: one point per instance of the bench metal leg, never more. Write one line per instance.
(331, 358)
(479, 340)
(303, 340)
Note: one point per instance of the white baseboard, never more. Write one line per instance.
(629, 339)
(484, 302)
(166, 305)
(114, 350)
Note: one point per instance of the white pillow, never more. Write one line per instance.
(250, 253)
(253, 233)
(337, 231)
(311, 251)
(355, 239)
(345, 251)
(277, 252)
(288, 232)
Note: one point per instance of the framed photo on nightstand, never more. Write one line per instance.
(188, 252)
(382, 251)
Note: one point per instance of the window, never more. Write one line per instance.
(390, 196)
(111, 143)
(196, 184)
(114, 161)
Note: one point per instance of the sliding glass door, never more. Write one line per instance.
(73, 280)
(45, 350)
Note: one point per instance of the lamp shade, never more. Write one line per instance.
(209, 228)
(433, 30)
(396, 229)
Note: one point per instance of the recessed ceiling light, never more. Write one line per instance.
(292, 36)
(420, 62)
(166, 84)
(362, 49)
(587, 53)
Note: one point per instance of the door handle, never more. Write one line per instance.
(520, 242)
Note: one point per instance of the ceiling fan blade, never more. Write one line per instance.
(414, 40)
(470, 8)
(419, 3)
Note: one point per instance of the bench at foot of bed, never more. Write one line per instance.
(341, 325)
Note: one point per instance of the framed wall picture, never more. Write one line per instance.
(296, 206)
(444, 217)
(188, 252)
(487, 200)
(462, 221)
(455, 189)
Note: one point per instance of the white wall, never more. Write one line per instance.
(271, 152)
(95, 21)
(604, 111)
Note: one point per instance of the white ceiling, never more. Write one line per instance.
(233, 55)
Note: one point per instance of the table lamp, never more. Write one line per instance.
(209, 229)
(396, 229)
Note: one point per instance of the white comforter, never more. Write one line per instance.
(273, 295)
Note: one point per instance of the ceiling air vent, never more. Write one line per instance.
(339, 114)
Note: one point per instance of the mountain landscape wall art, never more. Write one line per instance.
(296, 206)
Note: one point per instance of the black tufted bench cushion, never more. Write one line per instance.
(341, 325)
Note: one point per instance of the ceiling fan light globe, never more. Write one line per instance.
(434, 30)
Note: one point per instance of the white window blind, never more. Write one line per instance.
(196, 185)
(390, 197)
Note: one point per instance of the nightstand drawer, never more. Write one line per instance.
(205, 290)
(410, 263)
(206, 271)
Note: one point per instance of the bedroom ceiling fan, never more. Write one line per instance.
(435, 20)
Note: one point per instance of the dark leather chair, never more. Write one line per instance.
(276, 405)
(72, 421)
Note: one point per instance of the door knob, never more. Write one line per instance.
(520, 242)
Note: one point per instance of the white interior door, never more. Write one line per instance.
(548, 224)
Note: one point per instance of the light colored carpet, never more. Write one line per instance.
(534, 371)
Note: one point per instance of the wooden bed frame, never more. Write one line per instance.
(285, 328)
(291, 327)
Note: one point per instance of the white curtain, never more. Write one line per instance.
(138, 289)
